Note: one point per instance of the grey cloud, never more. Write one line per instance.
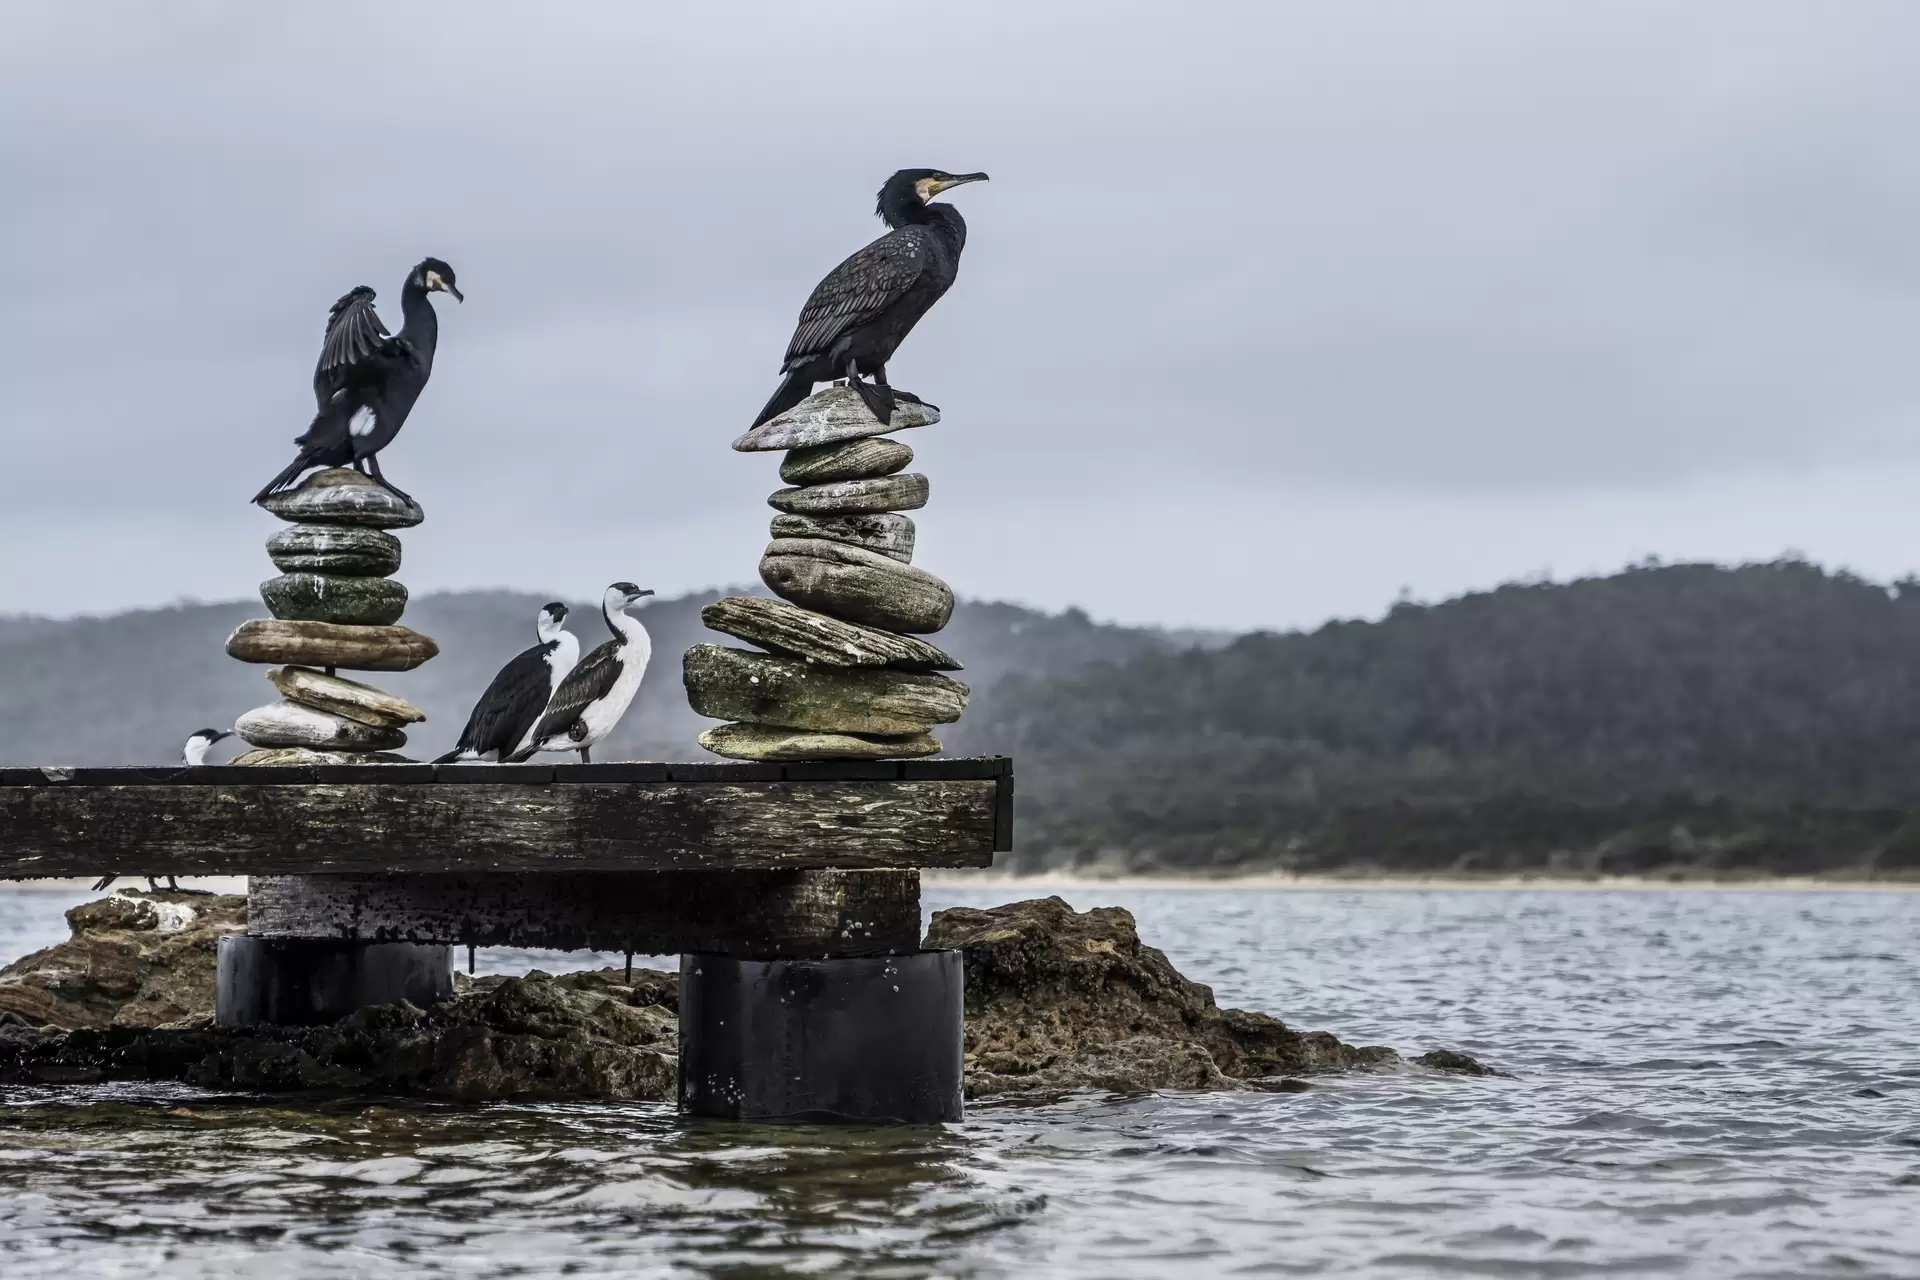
(1471, 252)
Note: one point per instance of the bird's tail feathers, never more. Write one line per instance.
(793, 389)
(457, 754)
(286, 477)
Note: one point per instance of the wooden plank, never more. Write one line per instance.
(533, 772)
(752, 914)
(321, 828)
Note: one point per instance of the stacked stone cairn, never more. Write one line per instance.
(334, 605)
(842, 674)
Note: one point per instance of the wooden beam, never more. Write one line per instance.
(762, 915)
(320, 828)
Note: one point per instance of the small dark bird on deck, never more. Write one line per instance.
(367, 379)
(504, 719)
(859, 314)
(595, 694)
(193, 755)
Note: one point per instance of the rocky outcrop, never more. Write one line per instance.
(580, 1035)
(134, 959)
(1058, 1002)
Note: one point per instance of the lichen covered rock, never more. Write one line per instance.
(856, 584)
(580, 1035)
(335, 548)
(789, 629)
(341, 495)
(771, 742)
(848, 460)
(761, 688)
(1060, 1000)
(134, 959)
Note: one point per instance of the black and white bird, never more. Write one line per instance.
(193, 755)
(595, 694)
(857, 316)
(504, 719)
(367, 379)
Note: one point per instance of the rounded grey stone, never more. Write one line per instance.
(848, 460)
(889, 534)
(341, 495)
(854, 497)
(855, 584)
(335, 548)
(327, 597)
(288, 724)
(771, 742)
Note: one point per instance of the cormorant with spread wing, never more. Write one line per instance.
(504, 719)
(859, 314)
(595, 694)
(367, 379)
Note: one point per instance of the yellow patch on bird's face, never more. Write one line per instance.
(434, 281)
(928, 188)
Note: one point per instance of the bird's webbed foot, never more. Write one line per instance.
(878, 399)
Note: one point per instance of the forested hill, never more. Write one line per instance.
(1645, 716)
(128, 688)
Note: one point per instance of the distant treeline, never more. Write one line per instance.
(1683, 717)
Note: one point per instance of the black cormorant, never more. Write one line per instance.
(503, 720)
(595, 694)
(193, 755)
(367, 379)
(859, 314)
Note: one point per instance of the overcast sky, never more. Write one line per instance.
(1269, 311)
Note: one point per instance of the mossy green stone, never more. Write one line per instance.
(330, 597)
(759, 688)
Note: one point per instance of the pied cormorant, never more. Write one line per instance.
(367, 380)
(193, 755)
(595, 694)
(859, 314)
(503, 720)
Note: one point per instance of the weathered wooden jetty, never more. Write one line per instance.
(790, 890)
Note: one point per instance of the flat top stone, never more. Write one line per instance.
(341, 495)
(838, 413)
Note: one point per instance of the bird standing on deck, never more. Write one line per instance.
(504, 719)
(367, 379)
(595, 694)
(193, 755)
(859, 314)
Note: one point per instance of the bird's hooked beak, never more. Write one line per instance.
(437, 283)
(953, 180)
(224, 733)
(457, 295)
(639, 595)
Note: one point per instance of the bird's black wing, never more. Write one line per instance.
(354, 335)
(586, 683)
(859, 290)
(510, 705)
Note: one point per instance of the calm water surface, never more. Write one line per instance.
(1706, 1083)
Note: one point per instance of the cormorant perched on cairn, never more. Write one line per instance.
(859, 314)
(595, 694)
(504, 719)
(193, 755)
(367, 379)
